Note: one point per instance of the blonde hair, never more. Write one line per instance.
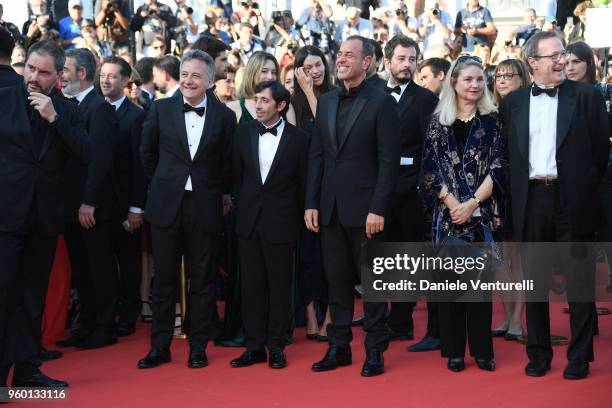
(253, 68)
(447, 107)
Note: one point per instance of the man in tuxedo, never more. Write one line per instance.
(126, 184)
(557, 135)
(166, 75)
(89, 209)
(405, 220)
(186, 153)
(270, 164)
(40, 130)
(8, 76)
(144, 67)
(353, 165)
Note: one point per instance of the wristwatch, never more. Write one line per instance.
(477, 200)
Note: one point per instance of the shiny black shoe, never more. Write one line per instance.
(48, 355)
(456, 364)
(277, 359)
(374, 364)
(249, 358)
(511, 336)
(576, 371)
(358, 321)
(335, 357)
(537, 368)
(427, 343)
(485, 364)
(125, 329)
(39, 380)
(197, 358)
(155, 358)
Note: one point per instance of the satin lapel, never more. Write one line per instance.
(279, 151)
(209, 121)
(332, 112)
(358, 106)
(565, 111)
(406, 99)
(254, 143)
(521, 115)
(179, 123)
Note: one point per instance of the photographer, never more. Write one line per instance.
(316, 27)
(353, 24)
(39, 23)
(112, 24)
(188, 23)
(404, 23)
(282, 34)
(476, 23)
(249, 12)
(435, 25)
(153, 18)
(248, 44)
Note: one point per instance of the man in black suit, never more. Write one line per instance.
(166, 75)
(8, 76)
(406, 218)
(557, 135)
(270, 165)
(89, 209)
(354, 161)
(186, 153)
(144, 67)
(40, 130)
(126, 185)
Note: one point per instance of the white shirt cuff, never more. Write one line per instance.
(136, 210)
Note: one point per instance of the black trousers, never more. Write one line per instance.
(545, 221)
(460, 321)
(341, 260)
(187, 236)
(266, 288)
(128, 251)
(25, 264)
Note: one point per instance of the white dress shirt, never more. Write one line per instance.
(543, 136)
(170, 93)
(402, 89)
(81, 95)
(194, 124)
(268, 144)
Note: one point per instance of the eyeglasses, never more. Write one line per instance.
(505, 77)
(464, 58)
(556, 57)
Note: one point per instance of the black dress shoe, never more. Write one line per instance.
(393, 335)
(249, 358)
(39, 380)
(456, 364)
(485, 364)
(155, 358)
(427, 343)
(197, 358)
(537, 368)
(48, 355)
(322, 339)
(77, 337)
(358, 321)
(277, 359)
(511, 336)
(312, 336)
(125, 329)
(498, 333)
(576, 371)
(335, 356)
(95, 342)
(374, 364)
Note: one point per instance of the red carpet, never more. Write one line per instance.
(109, 378)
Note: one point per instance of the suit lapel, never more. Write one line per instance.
(179, 124)
(279, 151)
(522, 126)
(254, 143)
(358, 106)
(209, 121)
(123, 109)
(20, 95)
(55, 99)
(565, 111)
(332, 112)
(407, 98)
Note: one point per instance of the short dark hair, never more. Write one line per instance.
(7, 43)
(436, 65)
(279, 93)
(377, 48)
(403, 41)
(83, 58)
(585, 53)
(531, 48)
(144, 67)
(210, 45)
(51, 49)
(124, 68)
(169, 64)
(367, 50)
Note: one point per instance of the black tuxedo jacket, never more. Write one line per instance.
(414, 108)
(279, 202)
(85, 182)
(168, 164)
(582, 153)
(27, 176)
(358, 175)
(8, 76)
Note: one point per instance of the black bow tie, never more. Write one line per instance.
(188, 108)
(263, 130)
(536, 90)
(397, 90)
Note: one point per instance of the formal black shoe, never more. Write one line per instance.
(95, 342)
(576, 371)
(197, 358)
(393, 335)
(485, 364)
(537, 368)
(77, 337)
(512, 336)
(456, 364)
(125, 329)
(277, 359)
(155, 358)
(322, 339)
(39, 380)
(498, 333)
(358, 321)
(427, 343)
(335, 356)
(374, 364)
(48, 355)
(249, 358)
(312, 336)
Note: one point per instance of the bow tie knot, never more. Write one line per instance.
(273, 130)
(188, 108)
(396, 89)
(536, 90)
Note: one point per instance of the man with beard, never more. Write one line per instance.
(40, 130)
(166, 75)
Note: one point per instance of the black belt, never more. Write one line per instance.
(547, 181)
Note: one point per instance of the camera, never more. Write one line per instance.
(400, 12)
(277, 17)
(113, 4)
(186, 9)
(435, 11)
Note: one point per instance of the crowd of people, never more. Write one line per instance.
(254, 155)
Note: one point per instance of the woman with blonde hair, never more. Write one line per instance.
(462, 181)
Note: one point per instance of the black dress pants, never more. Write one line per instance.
(128, 251)
(462, 320)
